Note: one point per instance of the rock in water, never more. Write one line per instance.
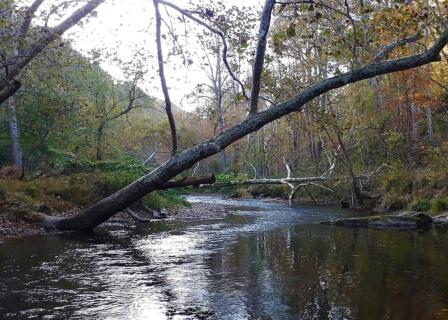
(404, 220)
(441, 221)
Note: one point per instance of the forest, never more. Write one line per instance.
(311, 104)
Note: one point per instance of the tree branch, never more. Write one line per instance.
(215, 31)
(386, 50)
(9, 90)
(259, 56)
(29, 16)
(48, 36)
(166, 94)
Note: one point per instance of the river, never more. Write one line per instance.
(263, 261)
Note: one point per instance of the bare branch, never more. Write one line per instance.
(216, 31)
(288, 168)
(253, 168)
(259, 56)
(195, 169)
(151, 157)
(166, 94)
(386, 50)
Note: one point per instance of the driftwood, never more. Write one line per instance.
(136, 217)
(189, 181)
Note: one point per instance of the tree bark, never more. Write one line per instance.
(429, 124)
(259, 55)
(16, 148)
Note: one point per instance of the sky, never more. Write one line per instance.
(123, 27)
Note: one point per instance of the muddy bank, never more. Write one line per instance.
(13, 226)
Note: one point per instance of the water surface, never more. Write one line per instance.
(264, 261)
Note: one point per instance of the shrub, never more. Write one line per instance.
(158, 200)
(229, 177)
(420, 205)
(396, 180)
(439, 204)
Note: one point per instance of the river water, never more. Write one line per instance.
(264, 261)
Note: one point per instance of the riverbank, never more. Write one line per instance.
(13, 226)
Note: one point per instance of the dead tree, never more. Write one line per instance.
(294, 184)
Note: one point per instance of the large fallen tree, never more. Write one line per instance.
(181, 161)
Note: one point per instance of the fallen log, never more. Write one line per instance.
(78, 222)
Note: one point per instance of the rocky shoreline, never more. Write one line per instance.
(406, 220)
(13, 227)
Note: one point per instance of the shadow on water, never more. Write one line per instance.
(263, 261)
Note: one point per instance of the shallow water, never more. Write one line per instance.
(264, 261)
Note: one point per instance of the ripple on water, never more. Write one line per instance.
(273, 262)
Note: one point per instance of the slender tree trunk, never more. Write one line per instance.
(218, 91)
(222, 161)
(16, 148)
(429, 123)
(348, 163)
(99, 142)
(414, 123)
(375, 83)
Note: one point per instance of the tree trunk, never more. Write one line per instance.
(218, 92)
(414, 123)
(16, 148)
(355, 181)
(375, 83)
(99, 142)
(429, 123)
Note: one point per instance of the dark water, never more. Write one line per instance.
(267, 261)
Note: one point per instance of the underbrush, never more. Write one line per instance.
(80, 186)
(422, 186)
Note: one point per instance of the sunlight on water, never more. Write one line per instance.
(264, 261)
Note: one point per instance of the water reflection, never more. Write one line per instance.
(272, 263)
